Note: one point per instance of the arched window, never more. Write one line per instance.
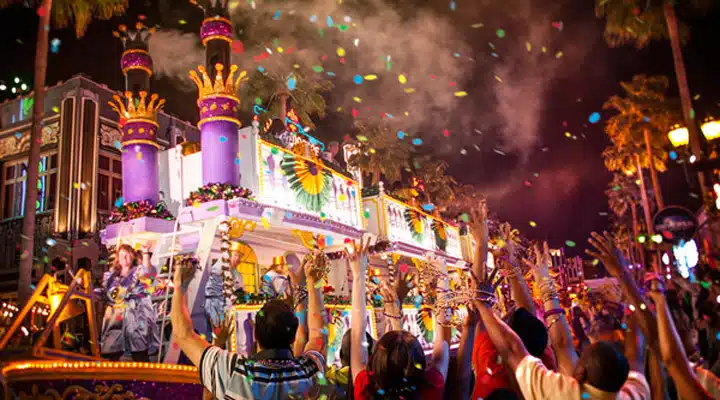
(248, 268)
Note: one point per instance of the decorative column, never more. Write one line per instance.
(138, 118)
(218, 101)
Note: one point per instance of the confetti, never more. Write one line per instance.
(569, 243)
(594, 118)
(401, 135)
(533, 224)
(528, 46)
(478, 25)
(291, 83)
(55, 45)
(499, 79)
(417, 141)
(500, 33)
(340, 52)
(182, 22)
(119, 201)
(358, 79)
(499, 152)
(559, 54)
(370, 77)
(357, 99)
(460, 94)
(318, 68)
(453, 6)
(277, 15)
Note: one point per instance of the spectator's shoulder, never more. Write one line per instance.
(313, 361)
(636, 386)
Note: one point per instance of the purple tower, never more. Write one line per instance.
(218, 101)
(138, 118)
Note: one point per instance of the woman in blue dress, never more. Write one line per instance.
(129, 323)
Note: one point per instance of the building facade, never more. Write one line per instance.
(80, 175)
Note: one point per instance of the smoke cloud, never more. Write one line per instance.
(437, 53)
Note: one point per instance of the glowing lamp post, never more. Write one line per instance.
(679, 135)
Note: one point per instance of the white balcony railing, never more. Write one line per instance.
(401, 222)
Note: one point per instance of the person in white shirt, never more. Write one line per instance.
(602, 372)
(275, 282)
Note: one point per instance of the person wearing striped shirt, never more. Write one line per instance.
(274, 372)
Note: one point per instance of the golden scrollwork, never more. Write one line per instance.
(102, 392)
(238, 227)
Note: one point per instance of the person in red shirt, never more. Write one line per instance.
(396, 369)
(490, 372)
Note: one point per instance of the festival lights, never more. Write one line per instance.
(57, 365)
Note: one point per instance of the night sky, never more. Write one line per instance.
(539, 101)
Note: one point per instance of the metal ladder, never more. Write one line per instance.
(208, 231)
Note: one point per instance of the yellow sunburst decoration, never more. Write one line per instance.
(310, 181)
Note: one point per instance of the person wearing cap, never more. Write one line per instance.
(214, 300)
(275, 282)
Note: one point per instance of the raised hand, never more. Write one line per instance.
(507, 237)
(541, 266)
(357, 255)
(473, 316)
(478, 224)
(223, 330)
(605, 252)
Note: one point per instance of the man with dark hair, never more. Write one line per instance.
(531, 331)
(274, 372)
(603, 366)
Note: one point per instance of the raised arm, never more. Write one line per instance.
(441, 345)
(299, 292)
(464, 352)
(673, 353)
(506, 341)
(507, 261)
(605, 252)
(189, 342)
(317, 324)
(358, 257)
(558, 327)
(479, 229)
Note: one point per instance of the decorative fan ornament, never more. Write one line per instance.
(440, 234)
(415, 222)
(426, 323)
(309, 181)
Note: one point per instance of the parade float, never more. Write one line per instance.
(242, 188)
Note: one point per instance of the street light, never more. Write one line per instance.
(679, 135)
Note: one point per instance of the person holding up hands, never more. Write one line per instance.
(397, 367)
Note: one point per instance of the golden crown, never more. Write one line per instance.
(220, 87)
(142, 110)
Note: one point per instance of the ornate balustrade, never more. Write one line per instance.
(410, 228)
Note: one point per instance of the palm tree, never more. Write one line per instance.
(623, 196)
(643, 118)
(64, 12)
(638, 22)
(381, 153)
(433, 174)
(304, 94)
(629, 160)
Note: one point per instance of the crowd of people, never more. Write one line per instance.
(665, 344)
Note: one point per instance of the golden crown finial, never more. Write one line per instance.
(227, 87)
(143, 110)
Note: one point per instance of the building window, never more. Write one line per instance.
(109, 180)
(15, 183)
